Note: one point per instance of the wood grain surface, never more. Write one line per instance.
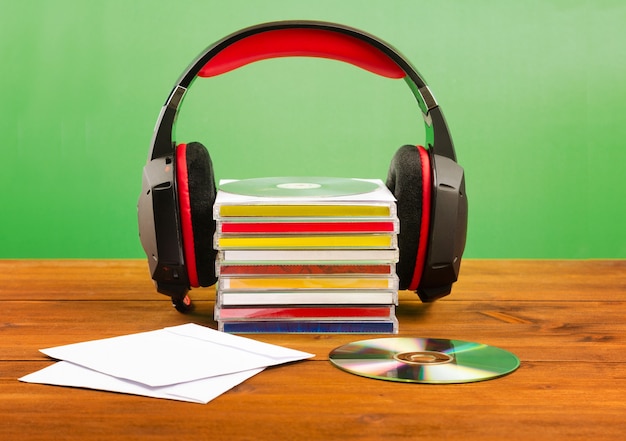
(565, 320)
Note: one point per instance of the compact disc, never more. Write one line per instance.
(303, 186)
(424, 360)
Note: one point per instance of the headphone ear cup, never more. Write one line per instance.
(409, 179)
(196, 195)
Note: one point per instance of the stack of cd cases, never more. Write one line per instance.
(306, 255)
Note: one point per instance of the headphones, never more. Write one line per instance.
(175, 207)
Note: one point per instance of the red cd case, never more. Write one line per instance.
(363, 312)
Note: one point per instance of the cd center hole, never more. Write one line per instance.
(423, 357)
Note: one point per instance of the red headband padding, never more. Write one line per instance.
(302, 42)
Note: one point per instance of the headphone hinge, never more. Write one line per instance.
(176, 97)
(428, 98)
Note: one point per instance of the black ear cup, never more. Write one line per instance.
(406, 181)
(197, 191)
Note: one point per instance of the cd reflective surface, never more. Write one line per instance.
(424, 360)
(302, 186)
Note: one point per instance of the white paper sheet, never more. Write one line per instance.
(201, 391)
(187, 362)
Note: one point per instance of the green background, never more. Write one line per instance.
(533, 92)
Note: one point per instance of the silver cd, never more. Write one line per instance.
(424, 360)
(302, 186)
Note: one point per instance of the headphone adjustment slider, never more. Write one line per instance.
(428, 97)
(176, 97)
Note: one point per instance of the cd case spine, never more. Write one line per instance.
(311, 327)
(320, 297)
(337, 282)
(314, 256)
(321, 312)
(272, 225)
(322, 241)
(303, 269)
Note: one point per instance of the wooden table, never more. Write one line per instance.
(565, 320)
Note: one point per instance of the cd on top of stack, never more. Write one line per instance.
(306, 254)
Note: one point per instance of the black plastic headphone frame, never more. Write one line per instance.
(158, 212)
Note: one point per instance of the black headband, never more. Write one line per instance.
(310, 39)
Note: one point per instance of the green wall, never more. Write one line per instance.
(533, 91)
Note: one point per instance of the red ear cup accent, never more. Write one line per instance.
(425, 218)
(405, 181)
(184, 203)
(196, 193)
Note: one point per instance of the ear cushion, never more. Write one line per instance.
(196, 195)
(409, 179)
